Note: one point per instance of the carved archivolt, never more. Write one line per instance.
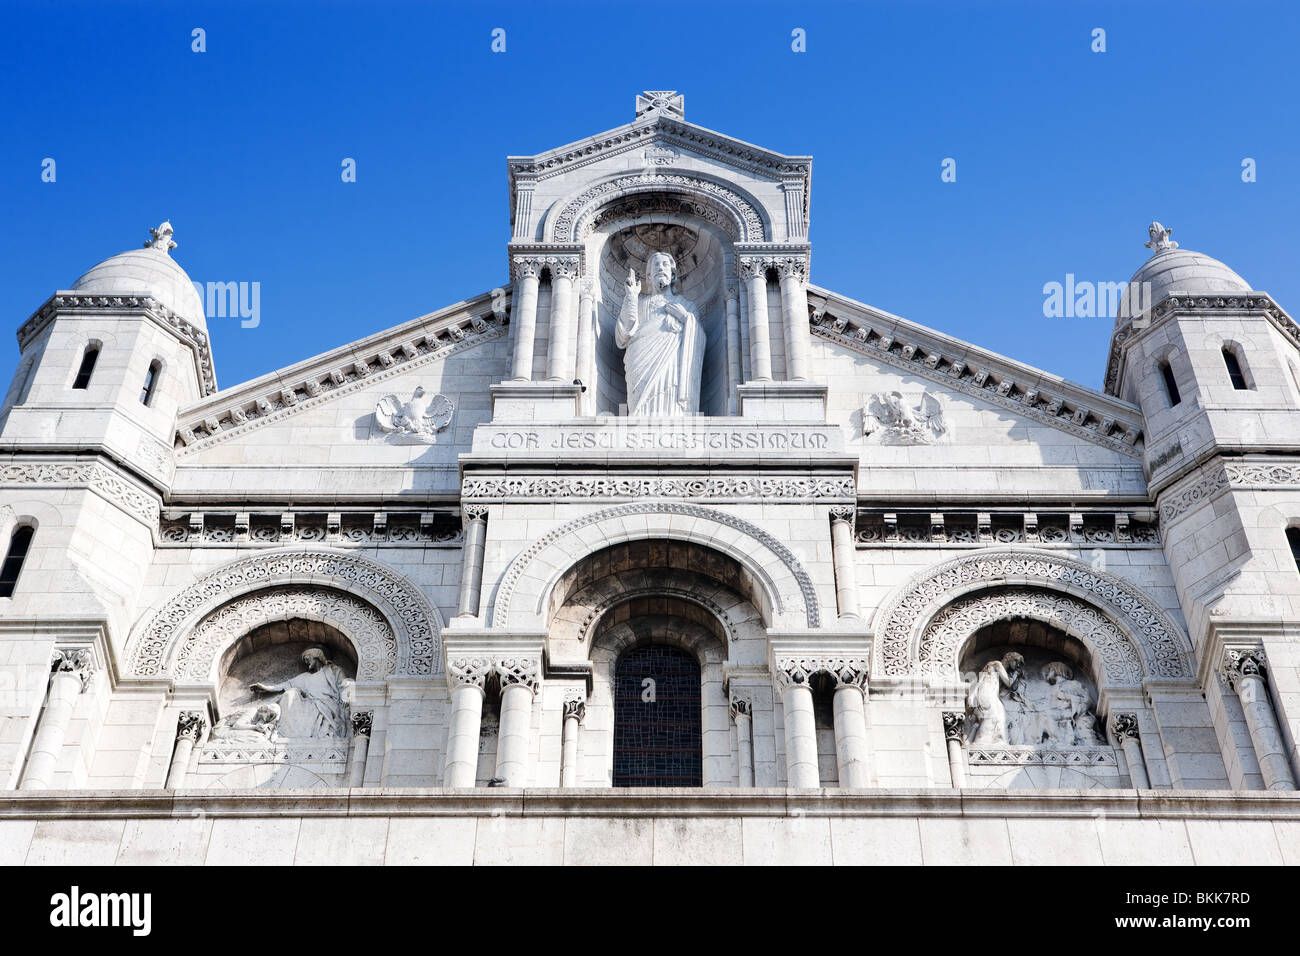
(743, 221)
(369, 633)
(801, 599)
(902, 622)
(947, 633)
(155, 650)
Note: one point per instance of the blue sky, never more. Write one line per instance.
(1063, 155)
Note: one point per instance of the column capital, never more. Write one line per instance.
(469, 671)
(845, 671)
(563, 266)
(954, 725)
(190, 725)
(473, 512)
(525, 671)
(845, 513)
(79, 662)
(753, 266)
(527, 267)
(1124, 725)
(575, 709)
(792, 267)
(1240, 663)
(741, 707)
(362, 722)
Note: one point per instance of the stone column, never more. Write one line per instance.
(586, 360)
(794, 308)
(471, 572)
(845, 556)
(1243, 670)
(753, 270)
(559, 357)
(519, 681)
(523, 316)
(1125, 729)
(189, 728)
(849, 706)
(800, 726)
(575, 709)
(741, 711)
(466, 676)
(71, 672)
(362, 722)
(733, 347)
(953, 723)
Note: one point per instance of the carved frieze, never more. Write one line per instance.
(692, 487)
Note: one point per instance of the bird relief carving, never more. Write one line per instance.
(896, 419)
(417, 421)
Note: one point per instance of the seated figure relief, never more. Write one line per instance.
(1041, 705)
(311, 704)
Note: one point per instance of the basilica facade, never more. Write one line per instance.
(658, 551)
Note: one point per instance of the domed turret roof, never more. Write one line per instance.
(150, 270)
(1171, 269)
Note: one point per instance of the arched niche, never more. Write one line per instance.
(702, 251)
(272, 653)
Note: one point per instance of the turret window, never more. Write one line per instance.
(1234, 369)
(88, 359)
(150, 383)
(1171, 386)
(19, 542)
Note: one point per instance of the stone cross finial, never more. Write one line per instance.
(1160, 241)
(162, 238)
(667, 102)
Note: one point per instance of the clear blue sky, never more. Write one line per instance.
(1063, 155)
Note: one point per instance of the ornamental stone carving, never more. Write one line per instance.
(807, 594)
(1240, 663)
(312, 703)
(77, 661)
(741, 707)
(845, 671)
(190, 725)
(895, 419)
(954, 725)
(469, 671)
(703, 487)
(172, 642)
(663, 342)
(575, 710)
(362, 722)
(1124, 725)
(1040, 704)
(93, 475)
(573, 221)
(475, 670)
(918, 634)
(417, 421)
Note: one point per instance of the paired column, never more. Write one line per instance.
(560, 356)
(954, 724)
(471, 572)
(794, 308)
(519, 681)
(72, 669)
(844, 555)
(575, 710)
(1243, 669)
(362, 722)
(1125, 729)
(849, 706)
(742, 709)
(189, 728)
(527, 274)
(753, 272)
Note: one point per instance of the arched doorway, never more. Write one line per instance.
(657, 719)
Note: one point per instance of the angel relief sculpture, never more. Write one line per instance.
(895, 419)
(417, 421)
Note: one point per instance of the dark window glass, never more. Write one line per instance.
(13, 564)
(1171, 386)
(150, 381)
(657, 731)
(87, 367)
(1234, 370)
(1293, 538)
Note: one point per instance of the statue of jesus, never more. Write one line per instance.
(664, 345)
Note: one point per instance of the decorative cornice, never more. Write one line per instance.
(191, 335)
(965, 527)
(276, 529)
(700, 487)
(105, 482)
(1095, 418)
(343, 373)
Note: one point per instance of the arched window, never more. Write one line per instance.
(1171, 386)
(1235, 373)
(150, 382)
(657, 720)
(19, 542)
(1293, 539)
(88, 359)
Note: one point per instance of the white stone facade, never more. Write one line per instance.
(868, 525)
